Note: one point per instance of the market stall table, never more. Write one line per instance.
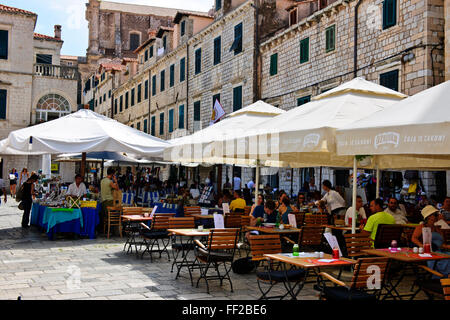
(308, 264)
(405, 256)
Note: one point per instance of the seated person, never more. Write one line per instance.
(301, 201)
(394, 210)
(180, 209)
(78, 188)
(195, 193)
(378, 217)
(238, 202)
(257, 211)
(445, 210)
(269, 209)
(281, 195)
(285, 210)
(360, 212)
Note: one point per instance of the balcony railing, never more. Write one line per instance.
(49, 70)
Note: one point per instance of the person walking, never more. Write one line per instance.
(107, 185)
(27, 199)
(3, 190)
(24, 175)
(13, 176)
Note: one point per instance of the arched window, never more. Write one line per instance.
(135, 41)
(51, 106)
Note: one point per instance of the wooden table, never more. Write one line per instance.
(199, 216)
(307, 264)
(273, 230)
(342, 228)
(186, 248)
(405, 256)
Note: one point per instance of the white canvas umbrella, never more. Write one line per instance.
(83, 131)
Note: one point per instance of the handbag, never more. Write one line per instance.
(21, 206)
(19, 194)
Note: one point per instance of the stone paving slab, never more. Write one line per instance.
(35, 268)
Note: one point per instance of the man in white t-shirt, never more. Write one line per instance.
(78, 188)
(359, 211)
(236, 183)
(394, 210)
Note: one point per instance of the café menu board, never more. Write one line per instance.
(206, 194)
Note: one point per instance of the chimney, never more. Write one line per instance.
(57, 31)
(151, 33)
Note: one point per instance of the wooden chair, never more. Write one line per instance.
(247, 210)
(299, 218)
(219, 250)
(155, 234)
(316, 219)
(131, 230)
(388, 232)
(113, 219)
(190, 210)
(232, 221)
(245, 221)
(355, 243)
(446, 288)
(425, 282)
(361, 287)
(178, 246)
(271, 244)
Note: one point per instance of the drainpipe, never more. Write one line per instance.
(149, 93)
(355, 41)
(186, 71)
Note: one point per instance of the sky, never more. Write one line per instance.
(70, 14)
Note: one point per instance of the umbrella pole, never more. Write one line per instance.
(256, 182)
(354, 195)
(292, 182)
(103, 166)
(377, 194)
(83, 165)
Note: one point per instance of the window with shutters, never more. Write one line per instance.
(139, 93)
(389, 13)
(47, 59)
(135, 40)
(100, 100)
(154, 85)
(146, 90)
(146, 55)
(218, 5)
(217, 50)
(182, 69)
(216, 97)
(293, 17)
(104, 97)
(3, 103)
(151, 51)
(121, 104)
(237, 98)
(132, 125)
(197, 116)
(138, 125)
(390, 80)
(115, 106)
(164, 42)
(161, 124)
(153, 124)
(170, 120)
(133, 93)
(163, 80)
(145, 126)
(127, 96)
(274, 64)
(198, 61)
(237, 43)
(4, 44)
(183, 27)
(304, 50)
(109, 94)
(303, 100)
(330, 38)
(181, 117)
(172, 75)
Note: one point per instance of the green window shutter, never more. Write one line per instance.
(183, 27)
(198, 61)
(304, 50)
(151, 51)
(127, 94)
(237, 98)
(146, 55)
(197, 111)
(163, 80)
(115, 106)
(146, 90)
(154, 85)
(303, 100)
(217, 49)
(389, 13)
(153, 125)
(133, 93)
(161, 124)
(218, 5)
(238, 39)
(170, 120)
(274, 64)
(181, 117)
(3, 103)
(330, 35)
(390, 80)
(121, 103)
(172, 75)
(138, 125)
(139, 93)
(4, 44)
(182, 69)
(145, 125)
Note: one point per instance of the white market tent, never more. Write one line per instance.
(82, 131)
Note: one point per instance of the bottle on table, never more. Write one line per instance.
(295, 250)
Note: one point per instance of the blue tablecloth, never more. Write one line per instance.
(83, 223)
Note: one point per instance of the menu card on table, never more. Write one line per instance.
(219, 221)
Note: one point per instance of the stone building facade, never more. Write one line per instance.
(34, 87)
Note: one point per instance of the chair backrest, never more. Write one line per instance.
(339, 222)
(245, 220)
(223, 239)
(369, 272)
(300, 218)
(238, 211)
(232, 221)
(355, 243)
(190, 210)
(247, 210)
(132, 211)
(161, 221)
(114, 214)
(386, 233)
(316, 219)
(446, 288)
(311, 235)
(446, 235)
(182, 223)
(264, 244)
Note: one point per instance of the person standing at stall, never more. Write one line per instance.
(27, 199)
(13, 176)
(3, 190)
(107, 185)
(24, 175)
(333, 200)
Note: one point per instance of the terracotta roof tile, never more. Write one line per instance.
(8, 9)
(39, 36)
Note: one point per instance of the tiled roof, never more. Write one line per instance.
(145, 43)
(114, 66)
(182, 13)
(162, 29)
(4, 8)
(125, 60)
(39, 36)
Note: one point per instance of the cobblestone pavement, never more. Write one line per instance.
(33, 267)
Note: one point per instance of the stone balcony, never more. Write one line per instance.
(61, 72)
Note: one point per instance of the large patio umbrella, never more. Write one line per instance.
(83, 131)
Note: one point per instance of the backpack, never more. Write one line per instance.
(243, 265)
